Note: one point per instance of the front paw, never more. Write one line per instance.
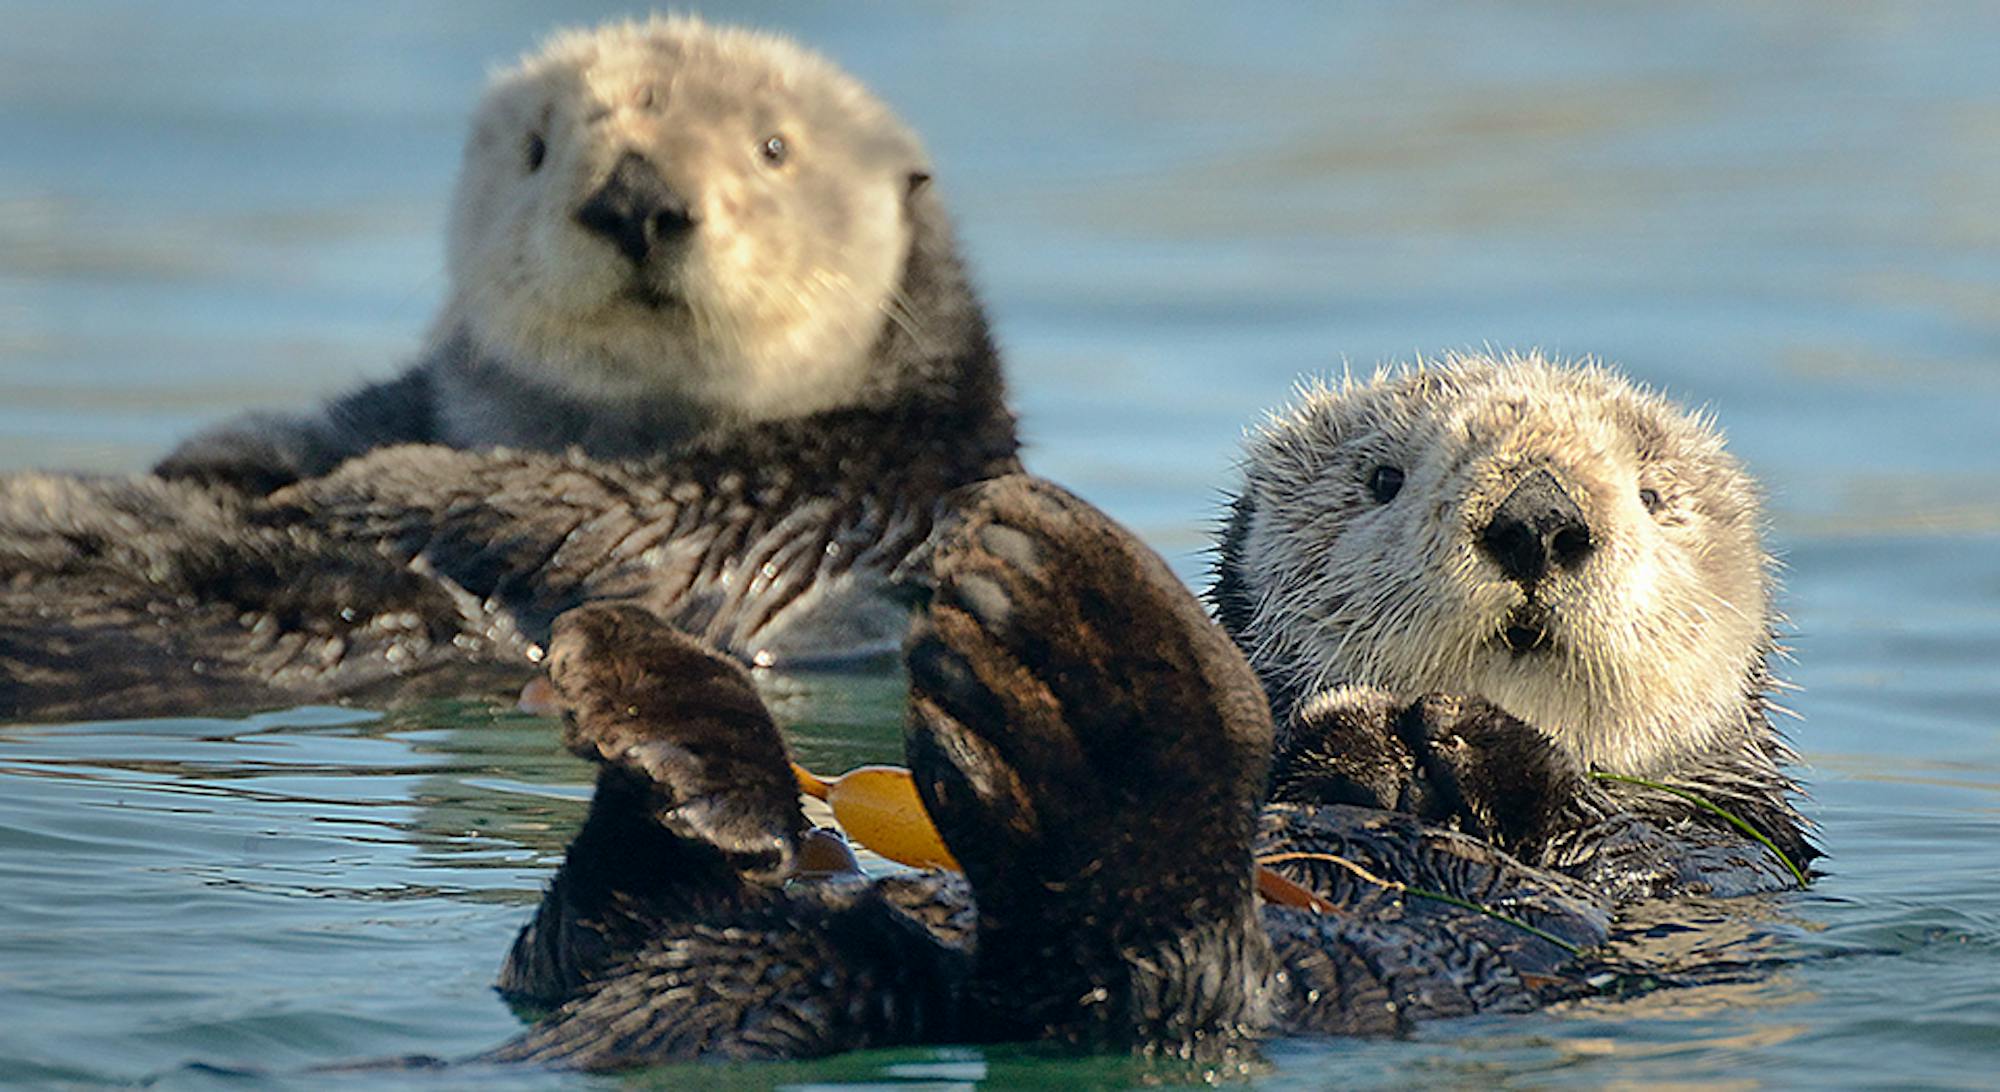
(1488, 773)
(244, 462)
(1342, 746)
(1459, 762)
(684, 726)
(1077, 722)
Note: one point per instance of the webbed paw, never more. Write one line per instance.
(1456, 761)
(1069, 694)
(1091, 747)
(254, 462)
(685, 727)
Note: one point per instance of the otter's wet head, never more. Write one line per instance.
(1553, 539)
(671, 211)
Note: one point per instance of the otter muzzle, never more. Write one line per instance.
(635, 209)
(1538, 527)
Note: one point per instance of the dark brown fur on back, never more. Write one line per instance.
(1092, 748)
(439, 567)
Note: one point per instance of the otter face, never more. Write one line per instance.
(1552, 539)
(670, 210)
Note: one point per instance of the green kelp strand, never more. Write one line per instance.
(1467, 904)
(1701, 801)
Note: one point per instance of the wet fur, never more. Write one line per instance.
(821, 283)
(136, 596)
(428, 570)
(1092, 748)
(771, 538)
(1659, 643)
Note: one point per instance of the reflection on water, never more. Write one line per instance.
(1782, 210)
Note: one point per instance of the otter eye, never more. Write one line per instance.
(538, 150)
(774, 150)
(1384, 483)
(1651, 499)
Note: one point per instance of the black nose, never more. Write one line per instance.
(635, 208)
(1536, 527)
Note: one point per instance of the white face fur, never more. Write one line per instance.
(1645, 648)
(796, 180)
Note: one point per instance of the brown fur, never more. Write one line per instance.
(1092, 748)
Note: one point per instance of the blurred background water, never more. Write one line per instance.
(1787, 211)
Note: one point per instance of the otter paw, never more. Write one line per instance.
(682, 724)
(1490, 774)
(243, 462)
(1455, 761)
(1072, 707)
(1342, 747)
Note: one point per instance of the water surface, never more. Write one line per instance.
(1784, 211)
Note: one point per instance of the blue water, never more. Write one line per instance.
(1787, 211)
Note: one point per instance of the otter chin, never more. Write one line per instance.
(1552, 538)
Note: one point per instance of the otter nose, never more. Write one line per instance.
(635, 208)
(1536, 527)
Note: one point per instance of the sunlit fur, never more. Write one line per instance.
(1659, 638)
(773, 304)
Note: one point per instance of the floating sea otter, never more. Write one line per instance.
(1093, 749)
(707, 258)
(663, 229)
(1550, 540)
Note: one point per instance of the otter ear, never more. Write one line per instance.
(916, 182)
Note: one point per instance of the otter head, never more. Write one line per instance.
(701, 216)
(1552, 539)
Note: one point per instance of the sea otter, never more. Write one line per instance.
(1547, 539)
(662, 229)
(1093, 749)
(768, 400)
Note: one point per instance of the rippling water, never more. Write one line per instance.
(1788, 211)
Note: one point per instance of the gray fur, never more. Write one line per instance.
(774, 541)
(130, 597)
